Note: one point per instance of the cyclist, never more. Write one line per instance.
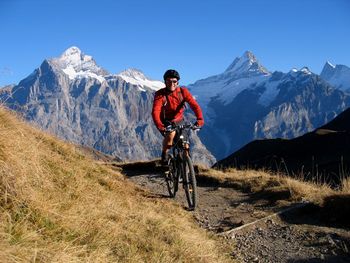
(169, 106)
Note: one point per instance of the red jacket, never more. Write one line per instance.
(169, 109)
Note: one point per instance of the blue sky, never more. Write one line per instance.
(199, 38)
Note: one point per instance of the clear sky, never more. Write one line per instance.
(200, 38)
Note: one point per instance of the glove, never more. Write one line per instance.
(169, 128)
(199, 123)
(161, 129)
(164, 130)
(196, 127)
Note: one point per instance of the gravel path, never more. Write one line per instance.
(295, 237)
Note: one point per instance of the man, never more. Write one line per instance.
(168, 108)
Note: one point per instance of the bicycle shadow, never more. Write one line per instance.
(140, 168)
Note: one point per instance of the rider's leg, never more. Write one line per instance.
(187, 149)
(167, 143)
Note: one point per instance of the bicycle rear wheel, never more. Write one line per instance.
(190, 183)
(171, 177)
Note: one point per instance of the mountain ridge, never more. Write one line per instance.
(241, 108)
(112, 115)
(243, 103)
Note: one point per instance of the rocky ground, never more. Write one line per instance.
(260, 229)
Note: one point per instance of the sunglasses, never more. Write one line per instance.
(172, 81)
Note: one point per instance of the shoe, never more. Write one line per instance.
(165, 159)
(166, 174)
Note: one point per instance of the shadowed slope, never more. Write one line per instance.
(319, 155)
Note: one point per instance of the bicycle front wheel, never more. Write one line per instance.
(171, 178)
(190, 183)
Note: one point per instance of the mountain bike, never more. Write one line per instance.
(180, 165)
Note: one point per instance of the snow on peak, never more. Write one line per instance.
(133, 73)
(246, 63)
(296, 72)
(76, 64)
(338, 76)
(306, 70)
(328, 71)
(248, 55)
(329, 64)
(136, 77)
(73, 57)
(72, 52)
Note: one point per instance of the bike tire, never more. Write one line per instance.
(190, 183)
(171, 178)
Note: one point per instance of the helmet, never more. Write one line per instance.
(171, 73)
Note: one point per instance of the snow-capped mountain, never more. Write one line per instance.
(136, 77)
(74, 98)
(338, 76)
(76, 64)
(247, 102)
(242, 73)
(246, 65)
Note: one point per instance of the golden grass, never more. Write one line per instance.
(262, 181)
(57, 205)
(346, 185)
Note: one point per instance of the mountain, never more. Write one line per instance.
(221, 90)
(136, 77)
(80, 101)
(321, 155)
(247, 102)
(338, 76)
(74, 98)
(242, 72)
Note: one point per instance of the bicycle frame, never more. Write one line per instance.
(180, 164)
(181, 145)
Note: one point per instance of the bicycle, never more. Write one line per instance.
(180, 165)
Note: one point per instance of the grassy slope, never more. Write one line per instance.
(57, 205)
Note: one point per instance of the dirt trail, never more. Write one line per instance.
(294, 236)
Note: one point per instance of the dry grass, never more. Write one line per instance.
(346, 185)
(263, 181)
(57, 205)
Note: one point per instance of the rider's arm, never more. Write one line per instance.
(194, 106)
(157, 109)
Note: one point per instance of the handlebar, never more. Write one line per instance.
(174, 127)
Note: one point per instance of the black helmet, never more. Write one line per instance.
(171, 73)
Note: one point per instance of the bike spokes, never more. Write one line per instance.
(171, 178)
(190, 184)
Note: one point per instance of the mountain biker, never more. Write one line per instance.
(169, 106)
